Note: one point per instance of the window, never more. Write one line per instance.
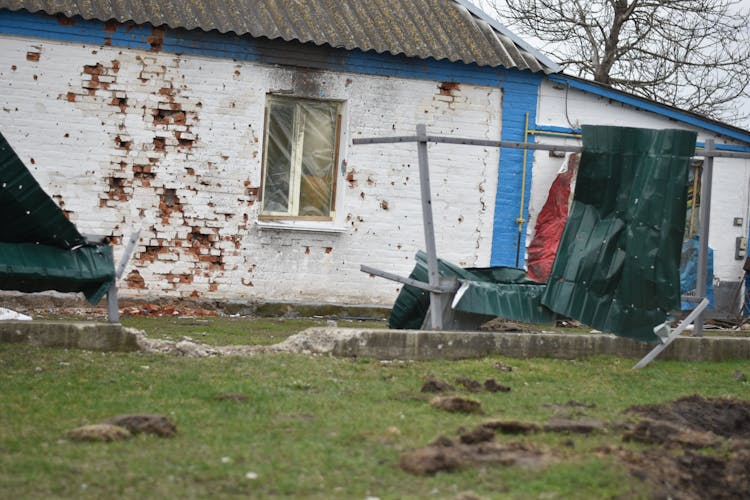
(300, 157)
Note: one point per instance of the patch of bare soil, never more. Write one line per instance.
(726, 417)
(456, 404)
(446, 455)
(157, 425)
(684, 425)
(692, 475)
(433, 384)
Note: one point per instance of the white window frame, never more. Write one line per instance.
(295, 174)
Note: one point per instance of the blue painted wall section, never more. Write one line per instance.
(520, 88)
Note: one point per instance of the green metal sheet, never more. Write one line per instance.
(27, 267)
(495, 291)
(27, 213)
(40, 249)
(617, 267)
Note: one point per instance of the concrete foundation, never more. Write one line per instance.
(415, 344)
(78, 335)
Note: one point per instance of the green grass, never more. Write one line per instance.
(313, 427)
(231, 331)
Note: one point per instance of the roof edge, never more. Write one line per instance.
(504, 30)
(718, 127)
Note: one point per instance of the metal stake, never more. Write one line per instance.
(701, 284)
(436, 299)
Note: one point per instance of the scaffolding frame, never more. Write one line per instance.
(440, 291)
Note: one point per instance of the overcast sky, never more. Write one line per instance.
(743, 4)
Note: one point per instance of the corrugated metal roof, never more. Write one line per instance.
(440, 29)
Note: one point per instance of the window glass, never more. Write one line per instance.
(278, 157)
(299, 170)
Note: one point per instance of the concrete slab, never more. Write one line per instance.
(418, 345)
(68, 334)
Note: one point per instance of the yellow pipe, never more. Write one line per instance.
(557, 134)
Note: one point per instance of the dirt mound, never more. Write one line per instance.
(456, 404)
(445, 455)
(692, 475)
(726, 417)
(99, 432)
(157, 425)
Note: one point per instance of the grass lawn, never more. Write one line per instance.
(312, 427)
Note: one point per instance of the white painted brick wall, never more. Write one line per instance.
(731, 179)
(89, 117)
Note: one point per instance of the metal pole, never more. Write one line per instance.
(705, 214)
(113, 312)
(436, 303)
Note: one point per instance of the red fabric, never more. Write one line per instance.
(550, 223)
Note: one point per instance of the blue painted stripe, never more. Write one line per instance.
(646, 105)
(520, 88)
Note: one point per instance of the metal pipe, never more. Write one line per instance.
(520, 219)
(436, 309)
(701, 282)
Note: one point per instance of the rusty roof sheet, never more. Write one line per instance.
(441, 29)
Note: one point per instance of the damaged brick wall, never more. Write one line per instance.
(123, 138)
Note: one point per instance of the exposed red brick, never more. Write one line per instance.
(448, 88)
(93, 69)
(180, 278)
(115, 65)
(135, 280)
(329, 249)
(194, 294)
(13, 68)
(159, 144)
(213, 287)
(384, 204)
(32, 56)
(307, 250)
(351, 179)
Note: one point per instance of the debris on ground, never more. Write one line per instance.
(158, 425)
(99, 432)
(456, 404)
(158, 311)
(499, 365)
(509, 325)
(739, 376)
(10, 315)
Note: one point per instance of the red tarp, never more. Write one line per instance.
(550, 223)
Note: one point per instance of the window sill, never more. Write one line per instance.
(308, 226)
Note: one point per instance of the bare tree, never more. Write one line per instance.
(692, 54)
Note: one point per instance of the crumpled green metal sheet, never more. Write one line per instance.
(27, 267)
(40, 249)
(494, 291)
(516, 301)
(617, 266)
(27, 213)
